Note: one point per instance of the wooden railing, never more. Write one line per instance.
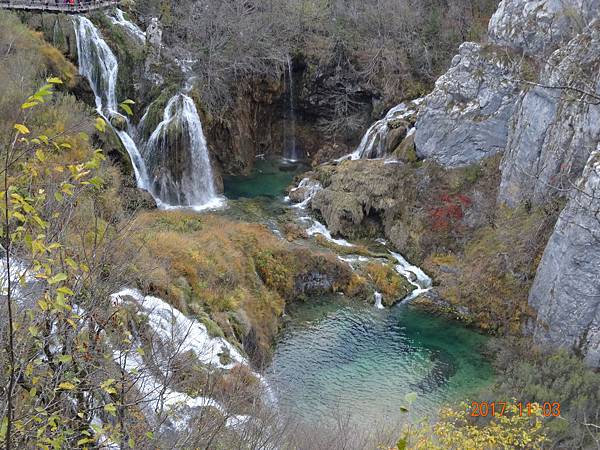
(64, 6)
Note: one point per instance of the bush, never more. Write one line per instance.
(536, 374)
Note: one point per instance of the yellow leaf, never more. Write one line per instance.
(54, 80)
(66, 386)
(28, 105)
(21, 128)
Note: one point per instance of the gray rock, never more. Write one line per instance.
(465, 118)
(538, 27)
(553, 131)
(566, 290)
(153, 52)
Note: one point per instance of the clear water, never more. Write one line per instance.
(270, 178)
(337, 358)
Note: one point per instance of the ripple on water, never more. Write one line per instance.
(360, 361)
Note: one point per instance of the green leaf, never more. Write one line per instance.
(57, 278)
(131, 443)
(39, 154)
(128, 102)
(402, 443)
(54, 80)
(410, 397)
(21, 128)
(65, 290)
(3, 428)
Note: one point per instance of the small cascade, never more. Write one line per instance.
(374, 142)
(290, 149)
(379, 300)
(176, 156)
(415, 276)
(174, 330)
(118, 18)
(305, 191)
(318, 228)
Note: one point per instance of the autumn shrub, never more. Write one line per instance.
(238, 274)
(539, 374)
(492, 276)
(457, 430)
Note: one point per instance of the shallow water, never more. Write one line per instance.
(335, 358)
(269, 178)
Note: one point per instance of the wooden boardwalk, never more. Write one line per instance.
(58, 6)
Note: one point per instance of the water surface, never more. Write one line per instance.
(336, 358)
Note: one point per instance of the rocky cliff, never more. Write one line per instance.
(536, 99)
(566, 291)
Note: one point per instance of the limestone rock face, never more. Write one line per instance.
(538, 27)
(566, 290)
(554, 130)
(465, 118)
(154, 49)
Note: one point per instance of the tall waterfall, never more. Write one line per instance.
(176, 154)
(99, 65)
(290, 149)
(177, 158)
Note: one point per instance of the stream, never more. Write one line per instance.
(338, 358)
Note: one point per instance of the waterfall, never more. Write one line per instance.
(373, 143)
(290, 150)
(118, 18)
(379, 300)
(177, 158)
(99, 65)
(415, 276)
(320, 229)
(176, 154)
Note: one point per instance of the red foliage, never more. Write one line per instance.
(450, 212)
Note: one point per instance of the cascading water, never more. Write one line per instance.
(176, 154)
(415, 276)
(118, 18)
(177, 159)
(290, 150)
(99, 65)
(374, 142)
